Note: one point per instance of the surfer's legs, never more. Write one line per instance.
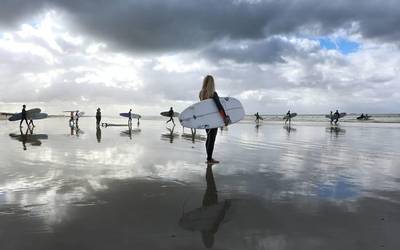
(211, 135)
(22, 120)
(31, 122)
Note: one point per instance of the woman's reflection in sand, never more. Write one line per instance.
(209, 217)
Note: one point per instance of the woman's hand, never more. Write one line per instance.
(227, 120)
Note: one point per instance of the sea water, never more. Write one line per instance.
(310, 186)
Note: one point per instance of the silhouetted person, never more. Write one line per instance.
(331, 116)
(98, 117)
(23, 116)
(171, 116)
(77, 117)
(336, 115)
(71, 119)
(130, 118)
(288, 117)
(258, 117)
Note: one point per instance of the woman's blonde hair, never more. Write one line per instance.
(208, 89)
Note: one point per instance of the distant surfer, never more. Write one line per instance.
(258, 117)
(288, 117)
(76, 117)
(331, 116)
(98, 117)
(130, 118)
(71, 119)
(336, 115)
(208, 92)
(171, 116)
(23, 116)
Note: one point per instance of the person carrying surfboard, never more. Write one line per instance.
(288, 118)
(130, 118)
(258, 117)
(208, 92)
(76, 117)
(336, 115)
(23, 116)
(171, 116)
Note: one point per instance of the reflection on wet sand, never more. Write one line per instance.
(169, 136)
(336, 130)
(210, 216)
(98, 134)
(130, 132)
(289, 128)
(194, 137)
(29, 138)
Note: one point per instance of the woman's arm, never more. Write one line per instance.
(221, 108)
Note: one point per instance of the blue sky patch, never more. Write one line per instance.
(344, 46)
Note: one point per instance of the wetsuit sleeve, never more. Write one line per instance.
(219, 105)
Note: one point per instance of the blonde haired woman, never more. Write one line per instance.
(208, 92)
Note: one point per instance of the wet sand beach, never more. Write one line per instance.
(308, 187)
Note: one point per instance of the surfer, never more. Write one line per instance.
(23, 116)
(71, 119)
(98, 116)
(130, 118)
(331, 116)
(76, 117)
(258, 117)
(208, 92)
(336, 116)
(171, 116)
(288, 118)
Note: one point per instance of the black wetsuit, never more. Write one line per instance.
(336, 115)
(171, 116)
(212, 133)
(23, 117)
(98, 117)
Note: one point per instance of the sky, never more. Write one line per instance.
(309, 56)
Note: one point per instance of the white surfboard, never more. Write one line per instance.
(205, 115)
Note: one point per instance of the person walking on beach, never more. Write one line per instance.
(331, 116)
(98, 117)
(23, 116)
(336, 115)
(258, 117)
(71, 119)
(130, 118)
(288, 118)
(171, 116)
(76, 117)
(208, 92)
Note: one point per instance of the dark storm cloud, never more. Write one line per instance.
(155, 25)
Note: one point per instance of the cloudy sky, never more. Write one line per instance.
(307, 55)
